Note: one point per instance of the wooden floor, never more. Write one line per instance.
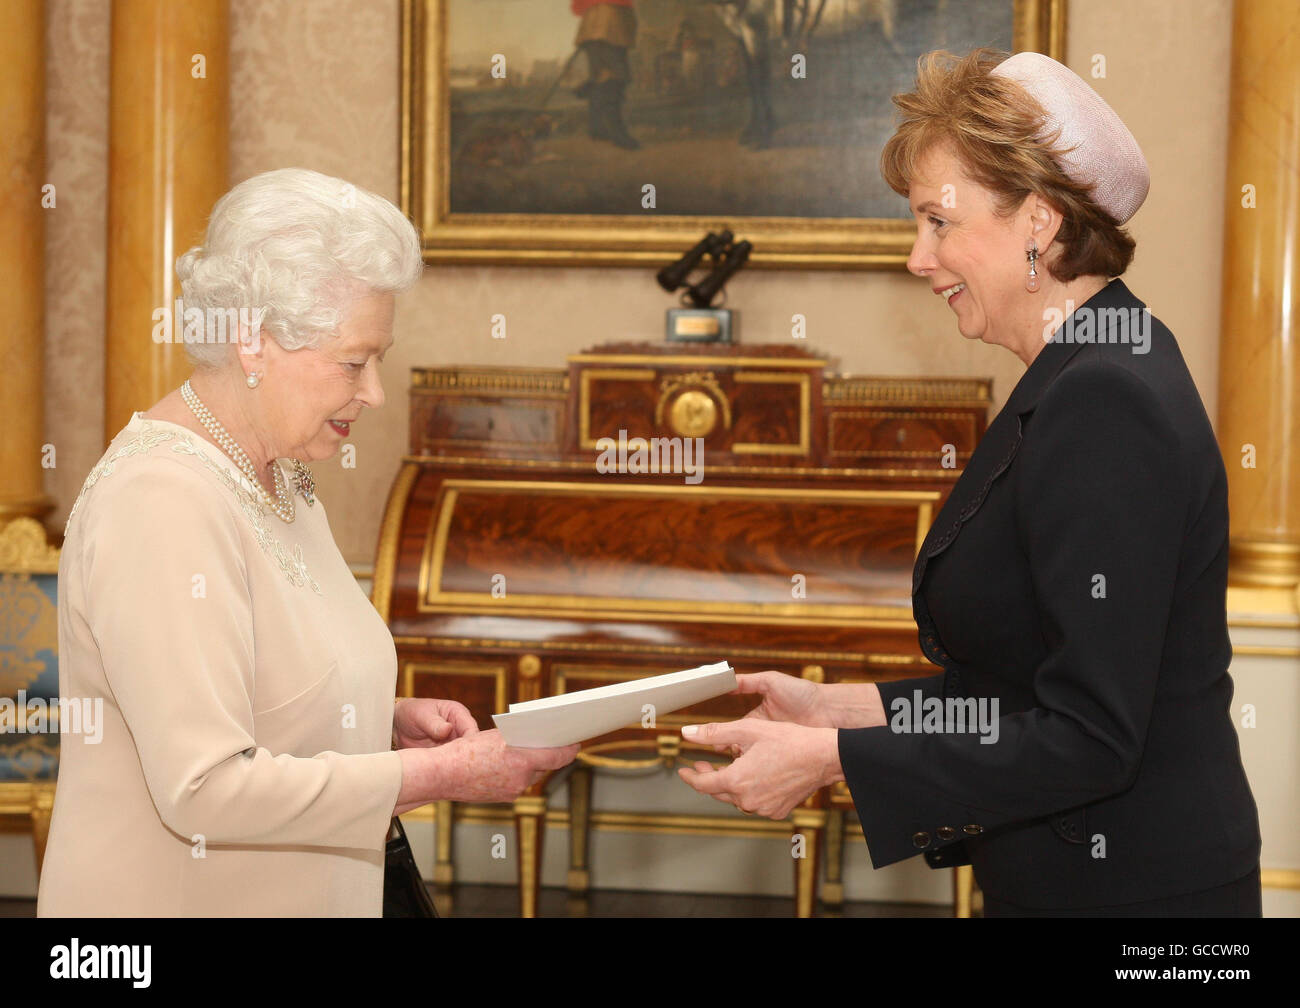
(503, 901)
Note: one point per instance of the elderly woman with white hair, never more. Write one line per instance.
(1077, 750)
(252, 755)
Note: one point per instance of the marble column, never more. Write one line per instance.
(169, 126)
(1259, 362)
(22, 258)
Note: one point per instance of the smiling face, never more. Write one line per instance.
(960, 240)
(316, 393)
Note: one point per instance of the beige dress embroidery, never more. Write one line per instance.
(290, 562)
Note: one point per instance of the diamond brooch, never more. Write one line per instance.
(303, 482)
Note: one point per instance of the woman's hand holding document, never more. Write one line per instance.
(785, 748)
(573, 717)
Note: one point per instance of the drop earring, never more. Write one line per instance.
(1031, 253)
(253, 380)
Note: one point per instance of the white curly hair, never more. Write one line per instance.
(299, 246)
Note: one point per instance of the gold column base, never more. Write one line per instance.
(25, 546)
(1265, 563)
(25, 507)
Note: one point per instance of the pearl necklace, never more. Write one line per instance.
(283, 504)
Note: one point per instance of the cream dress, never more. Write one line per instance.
(247, 686)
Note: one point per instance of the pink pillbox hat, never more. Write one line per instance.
(1104, 153)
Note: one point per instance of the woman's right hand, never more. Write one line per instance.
(787, 698)
(814, 705)
(475, 768)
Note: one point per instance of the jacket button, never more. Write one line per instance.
(921, 839)
(972, 830)
(945, 832)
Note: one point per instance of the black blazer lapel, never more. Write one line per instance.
(989, 460)
(996, 450)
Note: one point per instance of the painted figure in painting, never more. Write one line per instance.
(605, 34)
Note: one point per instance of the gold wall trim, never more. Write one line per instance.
(432, 598)
(1266, 650)
(1280, 878)
(1266, 607)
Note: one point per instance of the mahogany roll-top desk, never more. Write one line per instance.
(514, 564)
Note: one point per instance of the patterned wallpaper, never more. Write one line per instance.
(76, 157)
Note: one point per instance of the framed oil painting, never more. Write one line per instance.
(617, 132)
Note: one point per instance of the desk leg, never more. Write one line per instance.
(833, 889)
(530, 829)
(811, 823)
(579, 826)
(963, 881)
(444, 871)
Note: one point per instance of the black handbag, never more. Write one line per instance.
(405, 894)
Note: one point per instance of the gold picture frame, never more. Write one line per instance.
(622, 239)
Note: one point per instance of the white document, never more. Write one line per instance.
(574, 717)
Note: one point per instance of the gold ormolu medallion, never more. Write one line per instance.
(303, 482)
(693, 414)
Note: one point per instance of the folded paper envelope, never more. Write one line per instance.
(574, 717)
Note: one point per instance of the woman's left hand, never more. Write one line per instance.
(419, 722)
(777, 767)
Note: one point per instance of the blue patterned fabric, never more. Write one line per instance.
(29, 677)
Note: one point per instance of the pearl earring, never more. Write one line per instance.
(253, 380)
(1031, 253)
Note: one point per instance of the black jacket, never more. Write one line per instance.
(1077, 574)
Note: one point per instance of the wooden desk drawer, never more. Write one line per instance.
(900, 434)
